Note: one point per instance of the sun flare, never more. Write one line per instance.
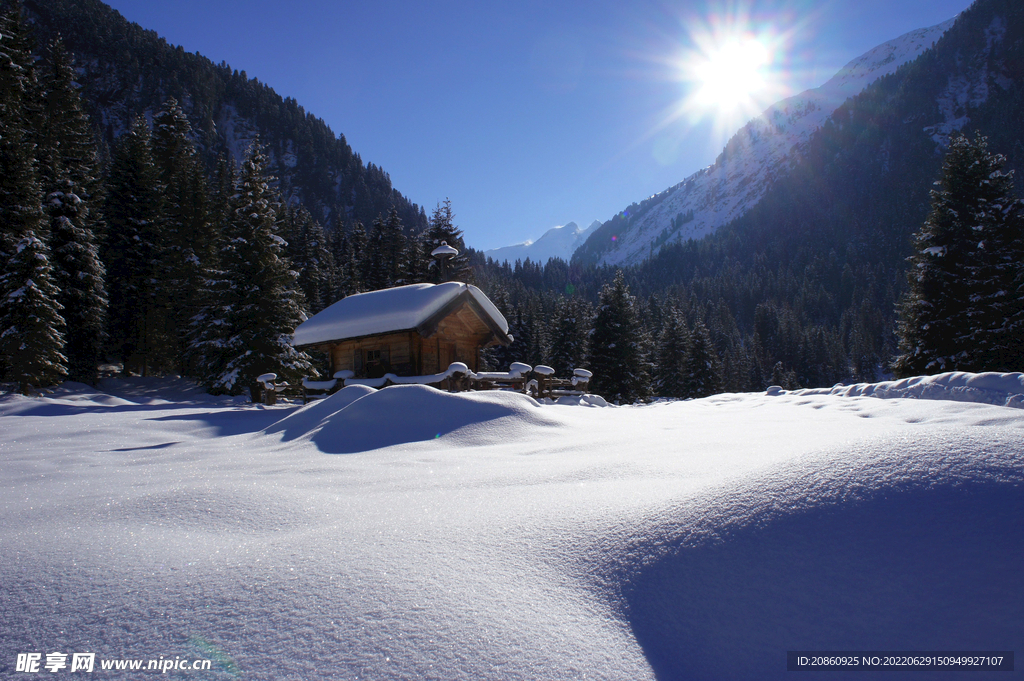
(731, 71)
(732, 75)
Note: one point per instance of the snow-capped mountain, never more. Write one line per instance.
(558, 242)
(759, 153)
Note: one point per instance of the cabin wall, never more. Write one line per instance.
(458, 338)
(394, 351)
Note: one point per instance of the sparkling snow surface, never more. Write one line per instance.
(413, 534)
(393, 309)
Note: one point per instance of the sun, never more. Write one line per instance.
(731, 71)
(732, 76)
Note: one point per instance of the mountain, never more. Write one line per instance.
(557, 242)
(803, 288)
(125, 70)
(765, 149)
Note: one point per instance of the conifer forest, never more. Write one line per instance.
(151, 246)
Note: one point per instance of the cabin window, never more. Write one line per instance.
(376, 362)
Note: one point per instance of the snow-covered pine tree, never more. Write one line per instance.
(417, 259)
(702, 368)
(79, 277)
(221, 193)
(783, 378)
(310, 256)
(536, 320)
(953, 315)
(188, 229)
(21, 209)
(67, 144)
(570, 337)
(619, 352)
(31, 327)
(134, 250)
(496, 358)
(266, 304)
(397, 248)
(204, 357)
(70, 172)
(996, 330)
(341, 252)
(671, 356)
(520, 328)
(359, 258)
(385, 247)
(443, 229)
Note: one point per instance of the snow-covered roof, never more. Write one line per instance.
(403, 308)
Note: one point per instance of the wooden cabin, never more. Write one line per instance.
(414, 330)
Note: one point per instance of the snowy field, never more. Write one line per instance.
(412, 534)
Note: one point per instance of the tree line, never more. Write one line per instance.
(153, 263)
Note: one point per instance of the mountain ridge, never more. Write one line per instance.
(761, 152)
(126, 70)
(560, 241)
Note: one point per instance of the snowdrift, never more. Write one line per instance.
(887, 547)
(1004, 389)
(485, 536)
(359, 419)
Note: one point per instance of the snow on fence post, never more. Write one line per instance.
(269, 389)
(581, 379)
(544, 380)
(458, 377)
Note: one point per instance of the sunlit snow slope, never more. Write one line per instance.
(761, 151)
(558, 242)
(412, 534)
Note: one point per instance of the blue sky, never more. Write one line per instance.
(529, 114)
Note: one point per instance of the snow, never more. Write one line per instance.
(1004, 389)
(318, 385)
(762, 151)
(395, 309)
(408, 533)
(968, 88)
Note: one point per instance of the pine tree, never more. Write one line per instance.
(67, 148)
(359, 259)
(266, 304)
(31, 327)
(21, 209)
(618, 355)
(570, 341)
(79, 277)
(344, 282)
(134, 253)
(385, 252)
(961, 277)
(69, 166)
(311, 257)
(417, 260)
(187, 229)
(702, 368)
(204, 356)
(320, 270)
(443, 230)
(672, 353)
(520, 328)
